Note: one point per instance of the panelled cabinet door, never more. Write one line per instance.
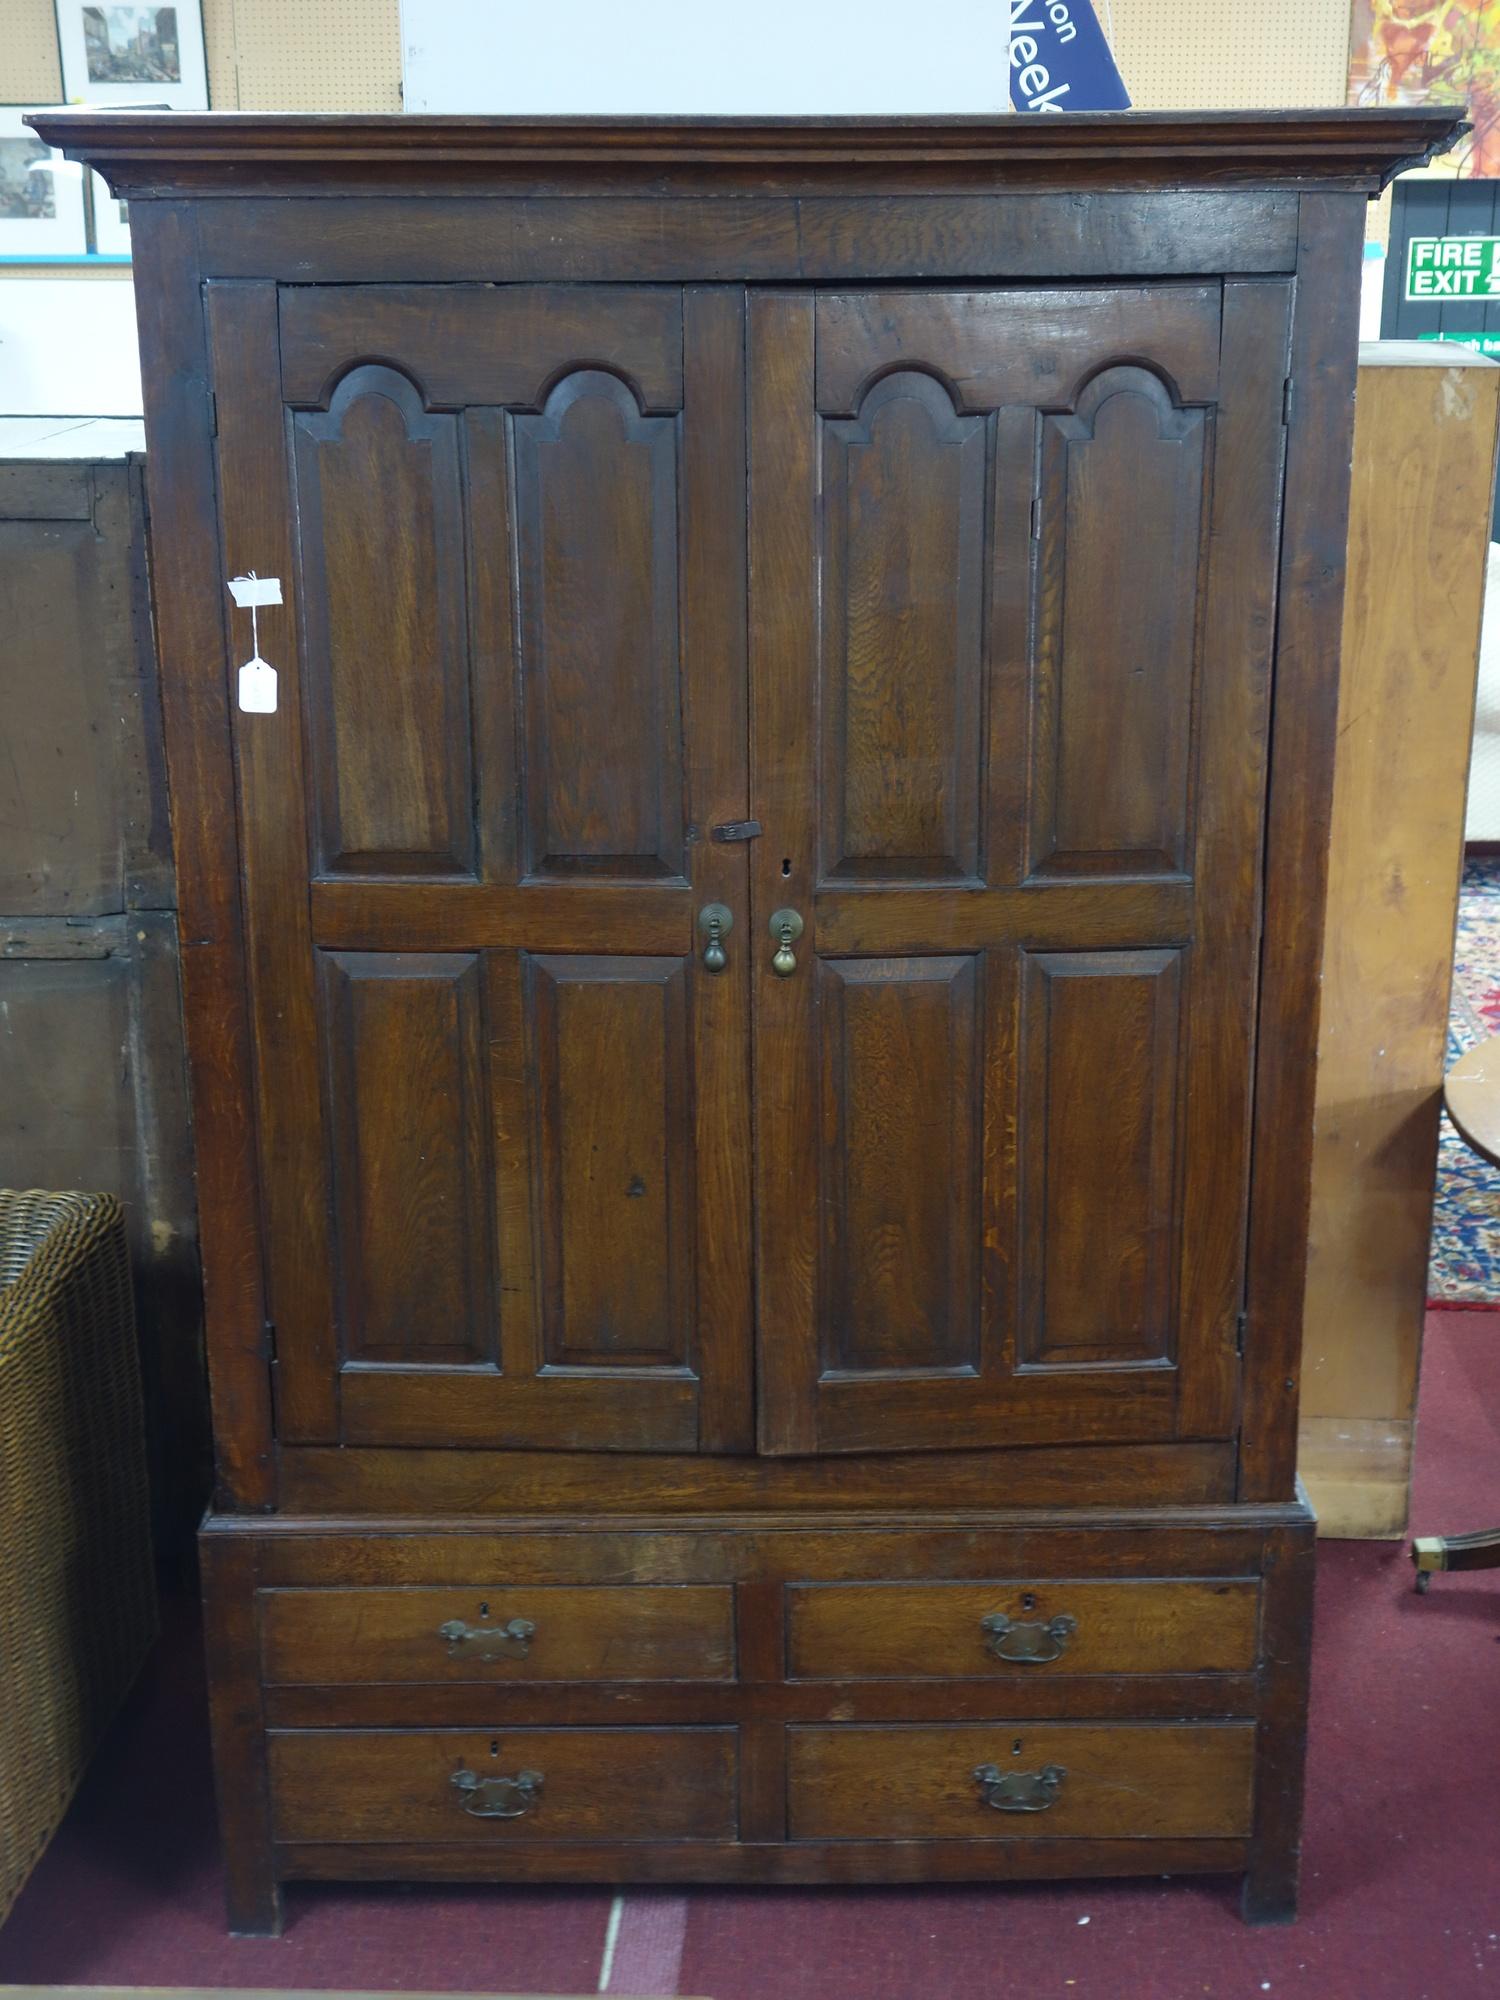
(1012, 562)
(503, 1109)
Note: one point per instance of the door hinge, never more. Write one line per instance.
(1036, 517)
(735, 829)
(268, 1341)
(1288, 394)
(1239, 1332)
(213, 413)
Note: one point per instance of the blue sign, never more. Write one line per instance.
(1059, 59)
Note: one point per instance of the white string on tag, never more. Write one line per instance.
(257, 679)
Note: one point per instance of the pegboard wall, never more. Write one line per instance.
(30, 67)
(303, 55)
(263, 55)
(1230, 55)
(345, 55)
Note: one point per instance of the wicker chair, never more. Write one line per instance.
(77, 1594)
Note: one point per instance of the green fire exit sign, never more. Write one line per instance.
(1453, 267)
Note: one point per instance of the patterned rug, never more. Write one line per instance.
(1465, 1268)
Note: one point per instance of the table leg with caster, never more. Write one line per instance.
(1431, 1553)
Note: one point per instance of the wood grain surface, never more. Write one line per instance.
(914, 1782)
(1424, 470)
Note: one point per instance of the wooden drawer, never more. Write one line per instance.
(593, 1784)
(613, 1633)
(904, 1631)
(901, 1782)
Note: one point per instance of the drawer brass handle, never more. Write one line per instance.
(488, 1642)
(1019, 1791)
(786, 928)
(498, 1798)
(1028, 1645)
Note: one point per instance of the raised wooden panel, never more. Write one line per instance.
(475, 346)
(1119, 581)
(408, 1102)
(1011, 346)
(381, 550)
(614, 1135)
(83, 793)
(901, 1163)
(596, 539)
(903, 626)
(1099, 1116)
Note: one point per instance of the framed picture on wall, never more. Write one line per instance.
(111, 230)
(41, 194)
(133, 55)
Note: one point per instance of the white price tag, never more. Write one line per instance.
(258, 687)
(257, 677)
(251, 591)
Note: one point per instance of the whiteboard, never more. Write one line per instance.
(697, 57)
(67, 347)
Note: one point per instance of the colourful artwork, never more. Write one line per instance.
(1412, 52)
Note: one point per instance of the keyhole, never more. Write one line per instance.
(1028, 1602)
(495, 1746)
(786, 865)
(1015, 1748)
(484, 1611)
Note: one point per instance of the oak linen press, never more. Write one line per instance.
(752, 1001)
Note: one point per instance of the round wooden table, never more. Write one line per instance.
(1471, 1092)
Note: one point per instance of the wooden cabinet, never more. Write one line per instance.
(752, 1004)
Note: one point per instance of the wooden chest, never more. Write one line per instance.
(762, 1699)
(751, 945)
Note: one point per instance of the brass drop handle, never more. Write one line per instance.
(511, 1641)
(716, 921)
(497, 1798)
(786, 928)
(1028, 1645)
(1019, 1791)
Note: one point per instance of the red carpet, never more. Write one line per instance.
(1401, 1881)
